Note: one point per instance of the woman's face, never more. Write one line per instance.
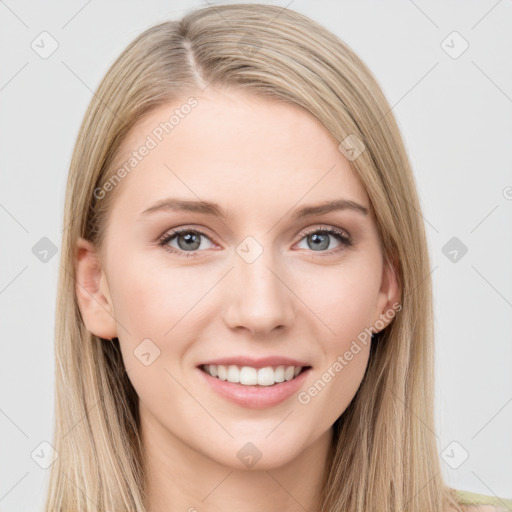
(258, 276)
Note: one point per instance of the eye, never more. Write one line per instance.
(319, 239)
(188, 241)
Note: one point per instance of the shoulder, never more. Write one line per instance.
(475, 502)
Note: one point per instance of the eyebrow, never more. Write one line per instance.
(208, 208)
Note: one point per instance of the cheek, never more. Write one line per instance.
(151, 306)
(342, 297)
(337, 385)
(152, 303)
(345, 306)
(152, 298)
(343, 300)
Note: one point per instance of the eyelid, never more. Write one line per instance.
(327, 228)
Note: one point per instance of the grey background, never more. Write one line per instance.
(455, 116)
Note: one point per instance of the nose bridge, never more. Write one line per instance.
(260, 301)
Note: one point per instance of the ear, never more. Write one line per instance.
(388, 303)
(92, 292)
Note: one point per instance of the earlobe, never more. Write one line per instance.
(92, 291)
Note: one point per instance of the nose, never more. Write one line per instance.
(260, 298)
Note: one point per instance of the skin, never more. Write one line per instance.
(241, 152)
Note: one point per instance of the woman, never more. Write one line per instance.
(244, 317)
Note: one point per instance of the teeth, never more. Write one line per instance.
(249, 376)
(279, 374)
(233, 374)
(222, 372)
(246, 375)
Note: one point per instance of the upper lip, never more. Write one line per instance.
(261, 362)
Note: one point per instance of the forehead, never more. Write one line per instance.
(247, 153)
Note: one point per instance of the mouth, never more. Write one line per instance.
(250, 376)
(255, 383)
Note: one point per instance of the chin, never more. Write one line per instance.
(258, 454)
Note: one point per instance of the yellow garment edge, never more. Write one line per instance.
(473, 498)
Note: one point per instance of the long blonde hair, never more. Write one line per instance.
(384, 456)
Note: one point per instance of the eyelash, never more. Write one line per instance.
(340, 235)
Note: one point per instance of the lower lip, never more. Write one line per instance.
(256, 397)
